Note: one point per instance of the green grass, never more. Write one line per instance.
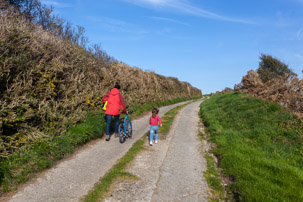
(212, 175)
(260, 147)
(213, 179)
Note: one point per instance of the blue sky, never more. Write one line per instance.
(209, 43)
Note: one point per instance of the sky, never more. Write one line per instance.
(211, 44)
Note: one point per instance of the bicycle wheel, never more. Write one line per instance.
(121, 133)
(129, 128)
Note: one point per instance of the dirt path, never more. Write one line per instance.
(171, 170)
(72, 179)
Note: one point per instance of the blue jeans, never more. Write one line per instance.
(153, 130)
(108, 122)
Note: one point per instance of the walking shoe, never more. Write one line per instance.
(107, 138)
(151, 143)
(156, 141)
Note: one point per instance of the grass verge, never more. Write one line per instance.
(212, 175)
(260, 146)
(118, 171)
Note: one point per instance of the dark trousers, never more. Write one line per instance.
(108, 122)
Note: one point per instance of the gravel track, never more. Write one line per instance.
(73, 178)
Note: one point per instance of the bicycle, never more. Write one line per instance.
(125, 128)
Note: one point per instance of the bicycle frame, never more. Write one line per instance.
(125, 129)
(126, 119)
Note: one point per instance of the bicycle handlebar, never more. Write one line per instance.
(130, 112)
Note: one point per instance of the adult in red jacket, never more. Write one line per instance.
(115, 102)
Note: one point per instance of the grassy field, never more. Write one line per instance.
(259, 145)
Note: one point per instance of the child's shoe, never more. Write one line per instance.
(151, 143)
(156, 141)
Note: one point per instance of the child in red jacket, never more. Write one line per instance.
(154, 120)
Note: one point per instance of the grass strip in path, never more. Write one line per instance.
(118, 171)
(259, 144)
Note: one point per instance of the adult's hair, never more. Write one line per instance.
(117, 86)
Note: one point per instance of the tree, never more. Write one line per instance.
(270, 67)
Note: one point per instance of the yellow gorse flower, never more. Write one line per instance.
(88, 99)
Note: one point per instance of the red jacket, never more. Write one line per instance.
(154, 121)
(115, 102)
